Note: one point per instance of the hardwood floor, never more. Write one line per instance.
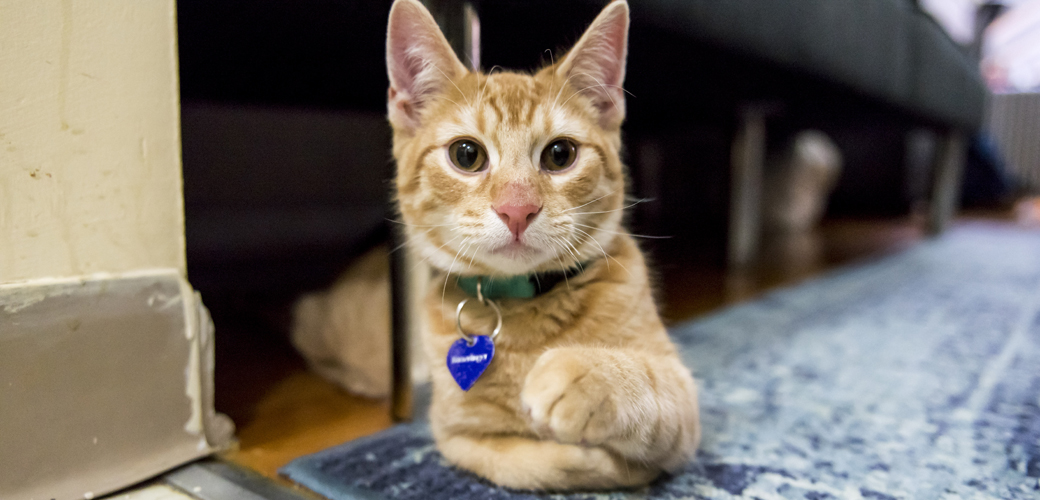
(302, 414)
(283, 411)
(689, 289)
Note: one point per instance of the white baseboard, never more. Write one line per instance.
(105, 381)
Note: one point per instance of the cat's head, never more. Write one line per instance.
(507, 173)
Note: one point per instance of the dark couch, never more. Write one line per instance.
(867, 72)
(709, 55)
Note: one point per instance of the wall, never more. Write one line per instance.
(106, 353)
(89, 138)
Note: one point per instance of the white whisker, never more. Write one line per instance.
(418, 225)
(605, 254)
(447, 277)
(600, 85)
(571, 249)
(425, 259)
(644, 200)
(470, 257)
(563, 269)
(480, 96)
(453, 83)
(402, 245)
(623, 233)
(552, 80)
(620, 264)
(591, 202)
(447, 99)
(597, 244)
(560, 92)
(603, 86)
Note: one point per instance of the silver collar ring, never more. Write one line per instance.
(485, 301)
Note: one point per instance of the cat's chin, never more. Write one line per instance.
(516, 251)
(514, 258)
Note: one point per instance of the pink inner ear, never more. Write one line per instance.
(405, 37)
(419, 61)
(597, 63)
(613, 40)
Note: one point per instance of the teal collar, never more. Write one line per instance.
(525, 286)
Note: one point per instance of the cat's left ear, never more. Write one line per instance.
(596, 64)
(419, 62)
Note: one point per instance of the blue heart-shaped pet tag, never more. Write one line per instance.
(467, 362)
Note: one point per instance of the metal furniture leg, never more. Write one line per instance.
(747, 159)
(409, 275)
(405, 319)
(946, 188)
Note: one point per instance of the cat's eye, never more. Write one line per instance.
(467, 155)
(559, 155)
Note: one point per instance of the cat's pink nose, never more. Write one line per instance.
(517, 217)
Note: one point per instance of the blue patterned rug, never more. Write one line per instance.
(916, 377)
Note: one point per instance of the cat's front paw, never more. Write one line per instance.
(572, 397)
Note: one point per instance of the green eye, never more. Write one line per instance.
(559, 155)
(467, 155)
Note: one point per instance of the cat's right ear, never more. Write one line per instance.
(419, 62)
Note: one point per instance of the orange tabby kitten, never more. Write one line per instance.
(508, 175)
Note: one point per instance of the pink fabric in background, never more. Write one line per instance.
(1011, 50)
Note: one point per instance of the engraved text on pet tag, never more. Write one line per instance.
(467, 362)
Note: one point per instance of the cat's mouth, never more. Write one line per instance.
(515, 250)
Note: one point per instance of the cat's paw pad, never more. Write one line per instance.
(569, 399)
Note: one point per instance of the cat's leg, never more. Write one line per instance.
(524, 463)
(641, 405)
